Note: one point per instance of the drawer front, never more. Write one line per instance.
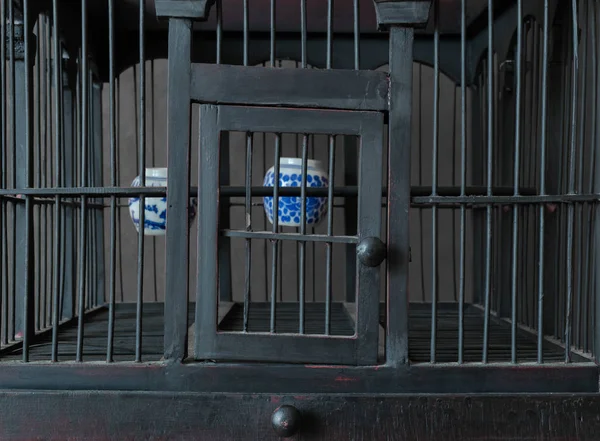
(144, 415)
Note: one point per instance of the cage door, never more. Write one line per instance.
(275, 331)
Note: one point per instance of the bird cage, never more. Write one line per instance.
(378, 211)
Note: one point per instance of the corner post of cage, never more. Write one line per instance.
(178, 163)
(69, 78)
(23, 225)
(400, 17)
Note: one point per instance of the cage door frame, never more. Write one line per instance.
(210, 344)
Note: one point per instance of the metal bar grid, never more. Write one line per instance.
(211, 341)
(51, 203)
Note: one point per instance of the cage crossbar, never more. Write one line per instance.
(278, 120)
(328, 89)
(322, 238)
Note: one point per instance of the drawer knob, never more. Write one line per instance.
(286, 421)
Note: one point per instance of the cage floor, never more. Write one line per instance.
(96, 331)
(499, 348)
(287, 318)
(96, 336)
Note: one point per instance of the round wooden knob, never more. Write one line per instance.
(286, 421)
(371, 251)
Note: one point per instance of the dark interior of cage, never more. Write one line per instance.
(473, 267)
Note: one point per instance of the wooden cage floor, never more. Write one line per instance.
(96, 331)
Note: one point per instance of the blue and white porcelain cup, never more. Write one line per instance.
(289, 209)
(155, 208)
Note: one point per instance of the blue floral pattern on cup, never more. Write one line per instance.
(290, 207)
(155, 209)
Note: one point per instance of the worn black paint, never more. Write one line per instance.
(265, 86)
(399, 150)
(178, 183)
(299, 379)
(142, 415)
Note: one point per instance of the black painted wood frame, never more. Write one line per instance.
(143, 415)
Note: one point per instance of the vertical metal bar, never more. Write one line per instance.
(523, 219)
(113, 180)
(356, 16)
(303, 31)
(329, 256)
(490, 164)
(434, 179)
(542, 219)
(29, 305)
(57, 200)
(142, 174)
(91, 264)
(49, 221)
(579, 186)
(532, 179)
(219, 12)
(331, 139)
(556, 163)
(302, 244)
(69, 223)
(120, 212)
(273, 25)
(516, 176)
(20, 137)
(248, 242)
(420, 182)
(177, 270)
(477, 176)
(594, 215)
(398, 241)
(569, 78)
(153, 162)
(83, 166)
(311, 153)
(98, 176)
(572, 170)
(65, 270)
(3, 178)
(463, 178)
(13, 131)
(47, 36)
(38, 74)
(453, 212)
(587, 325)
(246, 31)
(248, 201)
(275, 244)
(264, 213)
